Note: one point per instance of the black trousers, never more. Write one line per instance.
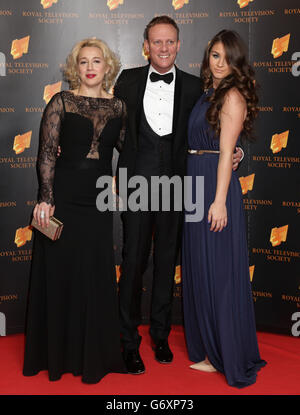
(139, 230)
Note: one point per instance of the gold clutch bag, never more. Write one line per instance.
(53, 231)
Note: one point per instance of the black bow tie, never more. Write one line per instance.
(167, 78)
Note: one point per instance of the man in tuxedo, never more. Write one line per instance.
(159, 98)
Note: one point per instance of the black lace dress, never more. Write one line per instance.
(72, 318)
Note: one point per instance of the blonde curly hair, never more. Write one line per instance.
(70, 69)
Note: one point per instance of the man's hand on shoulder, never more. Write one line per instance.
(238, 156)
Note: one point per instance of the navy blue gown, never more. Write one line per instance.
(217, 299)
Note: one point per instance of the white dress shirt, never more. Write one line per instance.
(158, 104)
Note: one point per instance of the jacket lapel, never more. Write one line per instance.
(178, 105)
(141, 86)
(177, 100)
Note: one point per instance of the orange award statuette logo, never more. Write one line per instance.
(48, 3)
(113, 4)
(251, 271)
(177, 276)
(118, 272)
(247, 183)
(278, 235)
(279, 141)
(145, 54)
(23, 235)
(178, 4)
(243, 3)
(51, 90)
(21, 142)
(280, 45)
(19, 47)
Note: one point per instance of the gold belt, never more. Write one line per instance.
(199, 152)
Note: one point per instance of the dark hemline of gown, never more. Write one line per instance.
(72, 316)
(217, 299)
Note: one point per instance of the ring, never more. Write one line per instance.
(42, 215)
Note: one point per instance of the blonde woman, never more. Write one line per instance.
(72, 321)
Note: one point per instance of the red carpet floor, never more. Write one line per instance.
(281, 376)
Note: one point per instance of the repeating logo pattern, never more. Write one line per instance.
(113, 4)
(23, 235)
(279, 141)
(243, 3)
(51, 90)
(48, 3)
(118, 272)
(280, 45)
(247, 183)
(278, 235)
(19, 47)
(178, 4)
(251, 272)
(177, 277)
(21, 142)
(276, 156)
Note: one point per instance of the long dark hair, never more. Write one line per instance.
(241, 77)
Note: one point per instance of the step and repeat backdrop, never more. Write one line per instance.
(37, 35)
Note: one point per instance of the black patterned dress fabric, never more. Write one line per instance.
(72, 318)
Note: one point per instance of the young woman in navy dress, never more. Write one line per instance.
(218, 306)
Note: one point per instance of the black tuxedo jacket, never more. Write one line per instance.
(130, 87)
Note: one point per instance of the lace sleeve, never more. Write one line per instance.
(49, 140)
(120, 141)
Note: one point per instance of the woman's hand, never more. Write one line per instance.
(42, 213)
(217, 216)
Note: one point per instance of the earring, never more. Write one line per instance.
(105, 82)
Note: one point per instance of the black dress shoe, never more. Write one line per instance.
(163, 353)
(133, 362)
